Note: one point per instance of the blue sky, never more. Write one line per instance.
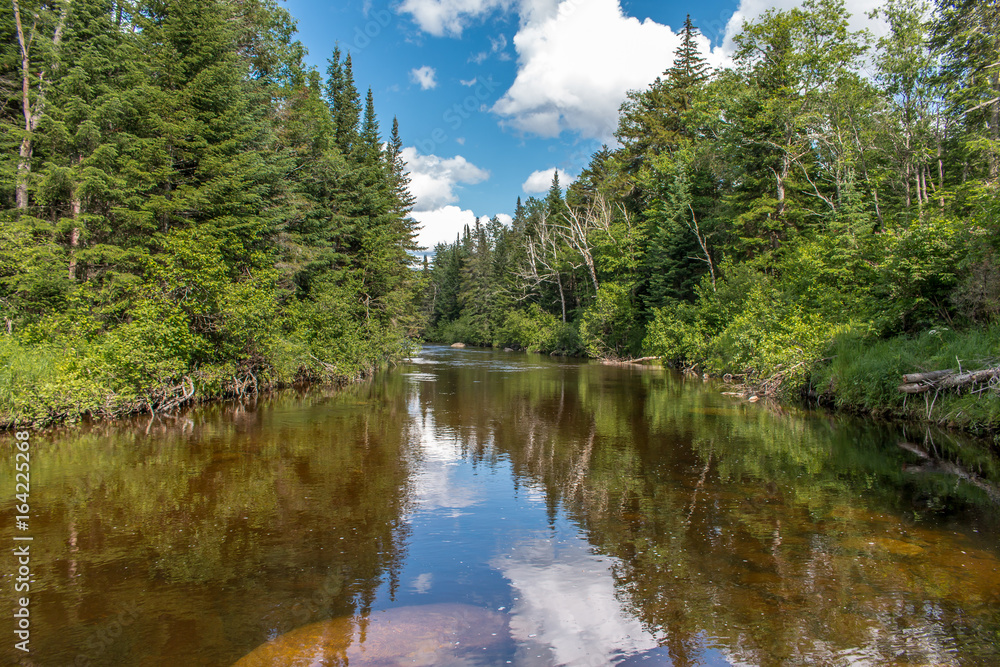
(492, 95)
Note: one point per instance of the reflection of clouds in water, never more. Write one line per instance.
(422, 584)
(433, 482)
(566, 612)
(420, 377)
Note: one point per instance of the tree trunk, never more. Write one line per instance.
(74, 241)
(74, 235)
(940, 161)
(32, 114)
(562, 296)
(24, 156)
(995, 128)
(704, 246)
(780, 185)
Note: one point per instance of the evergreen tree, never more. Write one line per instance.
(656, 119)
(342, 96)
(554, 203)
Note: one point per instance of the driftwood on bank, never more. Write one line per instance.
(629, 362)
(918, 383)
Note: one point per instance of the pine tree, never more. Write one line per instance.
(398, 177)
(368, 149)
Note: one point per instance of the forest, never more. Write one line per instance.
(815, 220)
(189, 211)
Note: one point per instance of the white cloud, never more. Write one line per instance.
(470, 82)
(433, 179)
(497, 46)
(441, 225)
(424, 76)
(565, 82)
(449, 17)
(445, 224)
(752, 9)
(541, 180)
(567, 78)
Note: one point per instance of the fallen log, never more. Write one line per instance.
(969, 378)
(918, 383)
(913, 378)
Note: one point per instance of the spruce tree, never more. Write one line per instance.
(346, 104)
(554, 202)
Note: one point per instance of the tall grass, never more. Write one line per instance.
(863, 375)
(23, 370)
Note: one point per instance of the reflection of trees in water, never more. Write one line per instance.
(225, 524)
(779, 536)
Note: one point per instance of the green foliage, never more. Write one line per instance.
(535, 330)
(194, 215)
(920, 271)
(771, 337)
(677, 334)
(609, 328)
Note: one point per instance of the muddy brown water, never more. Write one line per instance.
(475, 507)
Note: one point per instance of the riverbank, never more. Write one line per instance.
(865, 377)
(857, 375)
(42, 386)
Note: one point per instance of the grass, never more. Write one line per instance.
(864, 375)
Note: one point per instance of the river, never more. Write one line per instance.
(502, 508)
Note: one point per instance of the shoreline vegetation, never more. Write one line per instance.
(814, 221)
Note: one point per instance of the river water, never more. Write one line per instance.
(476, 507)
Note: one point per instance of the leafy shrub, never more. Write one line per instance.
(463, 330)
(677, 334)
(536, 330)
(610, 327)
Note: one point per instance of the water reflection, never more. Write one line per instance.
(599, 514)
(437, 457)
(567, 610)
(218, 530)
(734, 533)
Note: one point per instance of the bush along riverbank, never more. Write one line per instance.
(189, 211)
(125, 372)
(942, 376)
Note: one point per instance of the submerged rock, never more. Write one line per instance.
(434, 634)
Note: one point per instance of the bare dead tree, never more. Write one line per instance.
(547, 259)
